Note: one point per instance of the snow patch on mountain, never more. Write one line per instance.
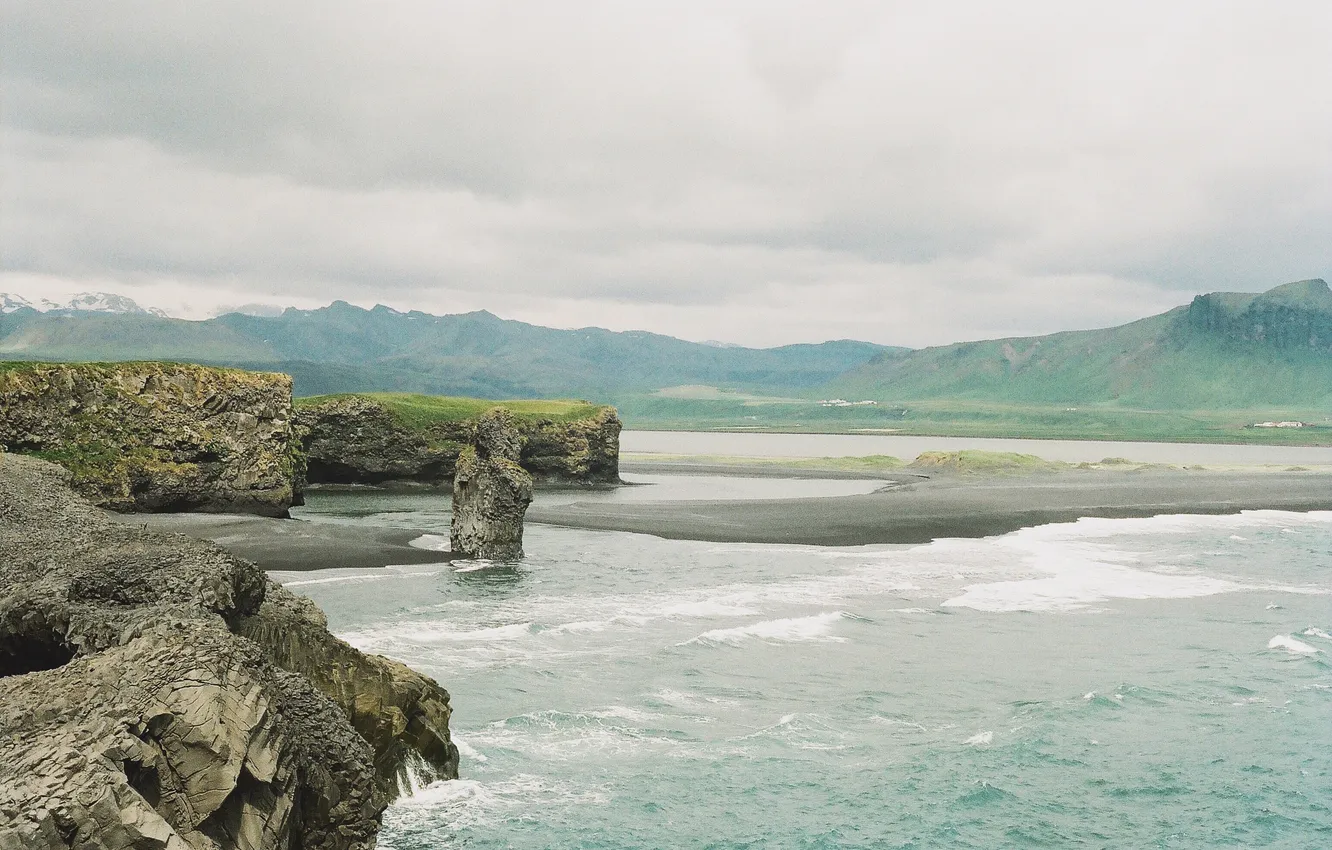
(84, 302)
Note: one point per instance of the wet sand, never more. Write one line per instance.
(290, 544)
(918, 510)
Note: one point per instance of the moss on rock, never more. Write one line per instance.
(158, 436)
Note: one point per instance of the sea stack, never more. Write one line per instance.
(491, 491)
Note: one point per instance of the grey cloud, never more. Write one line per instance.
(1036, 166)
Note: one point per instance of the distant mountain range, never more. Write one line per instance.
(84, 302)
(1222, 351)
(343, 348)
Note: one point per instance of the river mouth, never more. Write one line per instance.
(1075, 683)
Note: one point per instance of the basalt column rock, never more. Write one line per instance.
(491, 492)
(158, 693)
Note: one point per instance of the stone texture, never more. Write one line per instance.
(402, 714)
(491, 492)
(133, 714)
(356, 440)
(158, 436)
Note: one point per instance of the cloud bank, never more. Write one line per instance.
(758, 172)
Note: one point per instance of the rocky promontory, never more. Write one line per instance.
(158, 436)
(382, 438)
(157, 692)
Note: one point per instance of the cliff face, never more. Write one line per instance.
(358, 440)
(158, 436)
(585, 451)
(152, 696)
(355, 440)
(1295, 317)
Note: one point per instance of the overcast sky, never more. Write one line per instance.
(759, 172)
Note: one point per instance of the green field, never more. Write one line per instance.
(422, 411)
(953, 418)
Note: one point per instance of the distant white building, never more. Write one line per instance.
(841, 402)
(1284, 424)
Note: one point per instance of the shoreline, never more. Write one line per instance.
(919, 511)
(294, 545)
(915, 507)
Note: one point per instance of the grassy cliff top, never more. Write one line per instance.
(422, 411)
(127, 366)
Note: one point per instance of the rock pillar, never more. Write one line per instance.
(491, 492)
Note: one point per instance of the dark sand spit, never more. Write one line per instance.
(912, 509)
(918, 510)
(288, 544)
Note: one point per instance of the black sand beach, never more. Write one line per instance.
(918, 510)
(911, 509)
(289, 544)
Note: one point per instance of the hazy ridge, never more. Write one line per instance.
(1223, 351)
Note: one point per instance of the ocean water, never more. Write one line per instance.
(1161, 682)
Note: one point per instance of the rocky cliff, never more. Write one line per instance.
(367, 439)
(158, 436)
(491, 492)
(156, 692)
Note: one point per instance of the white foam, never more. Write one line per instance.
(1315, 632)
(579, 627)
(622, 712)
(1292, 645)
(341, 579)
(787, 630)
(980, 739)
(474, 566)
(1074, 586)
(428, 632)
(707, 608)
(432, 542)
(460, 803)
(466, 750)
(1073, 573)
(415, 775)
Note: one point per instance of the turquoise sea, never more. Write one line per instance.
(1130, 683)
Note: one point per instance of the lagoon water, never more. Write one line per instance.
(721, 443)
(1155, 682)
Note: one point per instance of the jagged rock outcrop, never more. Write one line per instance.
(158, 436)
(491, 492)
(147, 699)
(402, 714)
(359, 440)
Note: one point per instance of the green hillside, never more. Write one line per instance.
(343, 348)
(1224, 351)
